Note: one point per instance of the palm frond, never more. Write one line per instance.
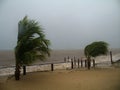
(29, 47)
(96, 48)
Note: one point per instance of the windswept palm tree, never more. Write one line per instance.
(95, 49)
(31, 45)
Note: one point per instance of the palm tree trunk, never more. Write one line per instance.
(17, 72)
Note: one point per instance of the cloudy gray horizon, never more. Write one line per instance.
(68, 24)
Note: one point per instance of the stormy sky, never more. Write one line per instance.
(68, 24)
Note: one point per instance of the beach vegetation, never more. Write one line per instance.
(95, 49)
(31, 44)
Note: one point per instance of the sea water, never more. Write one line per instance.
(7, 60)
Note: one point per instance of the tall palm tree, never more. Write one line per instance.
(31, 45)
(95, 49)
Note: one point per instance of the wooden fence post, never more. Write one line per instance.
(74, 61)
(52, 67)
(24, 70)
(89, 63)
(81, 63)
(78, 63)
(85, 63)
(93, 63)
(71, 63)
(111, 57)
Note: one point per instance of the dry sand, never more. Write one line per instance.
(95, 79)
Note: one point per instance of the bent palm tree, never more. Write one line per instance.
(31, 44)
(95, 49)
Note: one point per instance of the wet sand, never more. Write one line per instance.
(95, 79)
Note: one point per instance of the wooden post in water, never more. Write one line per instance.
(111, 57)
(52, 67)
(71, 63)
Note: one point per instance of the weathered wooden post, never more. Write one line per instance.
(71, 63)
(24, 70)
(93, 63)
(81, 63)
(52, 67)
(111, 57)
(74, 61)
(89, 63)
(85, 63)
(78, 63)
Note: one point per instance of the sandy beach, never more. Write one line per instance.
(40, 77)
(95, 79)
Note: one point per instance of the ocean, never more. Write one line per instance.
(7, 58)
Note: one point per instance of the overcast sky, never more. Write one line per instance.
(68, 24)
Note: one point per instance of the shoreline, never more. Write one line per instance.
(47, 67)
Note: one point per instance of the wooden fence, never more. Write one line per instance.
(68, 63)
